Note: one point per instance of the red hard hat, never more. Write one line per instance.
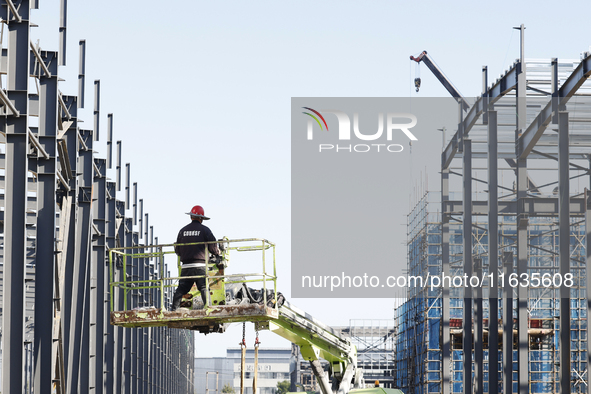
(198, 211)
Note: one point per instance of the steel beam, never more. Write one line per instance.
(501, 87)
(467, 236)
(14, 11)
(564, 251)
(532, 206)
(532, 134)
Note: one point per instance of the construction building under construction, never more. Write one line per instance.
(514, 212)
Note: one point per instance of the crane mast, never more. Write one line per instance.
(426, 59)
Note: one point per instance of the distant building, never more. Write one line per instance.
(374, 340)
(212, 373)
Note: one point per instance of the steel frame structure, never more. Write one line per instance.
(374, 340)
(61, 216)
(527, 139)
(532, 122)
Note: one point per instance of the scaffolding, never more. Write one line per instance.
(529, 135)
(418, 321)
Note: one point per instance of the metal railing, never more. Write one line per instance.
(124, 262)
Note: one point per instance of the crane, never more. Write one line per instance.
(426, 59)
(232, 300)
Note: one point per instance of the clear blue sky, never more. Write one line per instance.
(200, 92)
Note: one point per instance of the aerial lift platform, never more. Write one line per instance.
(231, 300)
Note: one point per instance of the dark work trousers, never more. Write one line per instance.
(186, 284)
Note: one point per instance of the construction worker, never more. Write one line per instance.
(193, 256)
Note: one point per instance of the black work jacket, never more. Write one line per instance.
(191, 233)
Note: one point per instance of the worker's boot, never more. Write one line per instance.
(176, 302)
(204, 297)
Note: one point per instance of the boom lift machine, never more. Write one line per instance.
(231, 300)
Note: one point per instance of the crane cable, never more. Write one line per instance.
(243, 359)
(256, 359)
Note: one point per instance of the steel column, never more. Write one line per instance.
(15, 205)
(135, 203)
(62, 31)
(478, 331)
(114, 334)
(85, 308)
(97, 108)
(71, 142)
(153, 334)
(46, 223)
(81, 72)
(127, 182)
(129, 354)
(564, 250)
(133, 265)
(98, 293)
(110, 141)
(493, 254)
(522, 224)
(467, 232)
(588, 277)
(522, 257)
(140, 330)
(445, 342)
(146, 330)
(118, 168)
(141, 216)
(507, 324)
